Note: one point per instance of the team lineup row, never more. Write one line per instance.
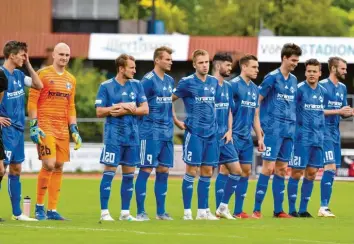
(288, 118)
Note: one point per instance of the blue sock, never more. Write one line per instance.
(306, 192)
(140, 190)
(14, 188)
(261, 190)
(105, 188)
(187, 190)
(230, 187)
(278, 188)
(326, 187)
(219, 187)
(126, 190)
(293, 185)
(241, 191)
(203, 191)
(160, 192)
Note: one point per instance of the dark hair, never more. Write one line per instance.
(13, 47)
(333, 61)
(122, 60)
(158, 51)
(245, 59)
(222, 56)
(313, 62)
(290, 49)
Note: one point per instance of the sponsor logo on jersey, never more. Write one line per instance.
(57, 94)
(285, 97)
(315, 107)
(248, 104)
(15, 94)
(204, 99)
(222, 105)
(163, 99)
(334, 104)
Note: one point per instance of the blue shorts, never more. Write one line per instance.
(244, 149)
(332, 153)
(306, 156)
(14, 145)
(154, 153)
(228, 153)
(115, 155)
(198, 151)
(277, 148)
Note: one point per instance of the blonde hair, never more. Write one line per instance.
(122, 60)
(197, 53)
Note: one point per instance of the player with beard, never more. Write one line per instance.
(335, 106)
(228, 159)
(245, 98)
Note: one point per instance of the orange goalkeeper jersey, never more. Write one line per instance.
(55, 103)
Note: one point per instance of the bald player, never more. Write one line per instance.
(53, 118)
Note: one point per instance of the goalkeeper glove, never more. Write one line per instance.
(76, 136)
(36, 132)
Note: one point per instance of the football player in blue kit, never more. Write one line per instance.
(278, 115)
(245, 99)
(156, 134)
(336, 106)
(309, 135)
(120, 100)
(200, 144)
(222, 65)
(12, 118)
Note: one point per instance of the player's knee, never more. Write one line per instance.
(280, 169)
(15, 169)
(162, 169)
(296, 174)
(146, 170)
(267, 169)
(59, 167)
(192, 170)
(206, 171)
(49, 164)
(311, 174)
(223, 170)
(246, 172)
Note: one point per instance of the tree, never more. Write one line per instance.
(87, 83)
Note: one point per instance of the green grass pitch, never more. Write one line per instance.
(80, 203)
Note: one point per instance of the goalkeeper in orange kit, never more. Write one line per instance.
(52, 113)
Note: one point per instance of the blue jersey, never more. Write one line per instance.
(245, 97)
(223, 105)
(13, 102)
(278, 108)
(158, 124)
(122, 130)
(336, 99)
(310, 121)
(199, 102)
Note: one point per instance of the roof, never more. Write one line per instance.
(213, 44)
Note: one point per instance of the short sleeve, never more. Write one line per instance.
(102, 97)
(141, 94)
(147, 85)
(181, 89)
(266, 85)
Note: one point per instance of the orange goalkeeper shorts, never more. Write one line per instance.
(52, 147)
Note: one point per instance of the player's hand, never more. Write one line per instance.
(180, 124)
(131, 107)
(261, 146)
(4, 122)
(27, 61)
(346, 111)
(118, 112)
(228, 136)
(36, 133)
(76, 136)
